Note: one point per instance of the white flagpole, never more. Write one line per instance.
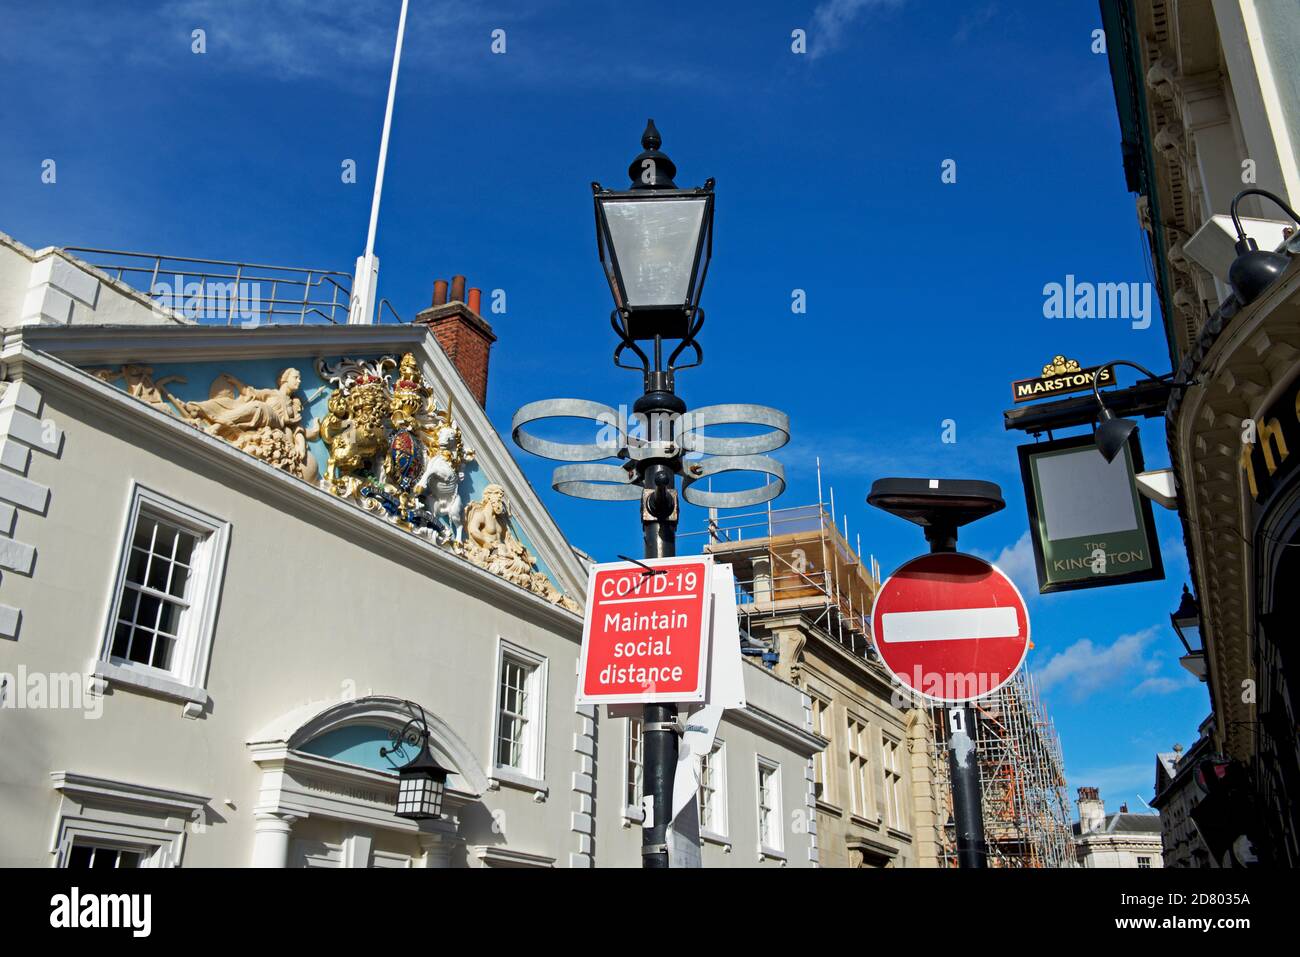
(367, 273)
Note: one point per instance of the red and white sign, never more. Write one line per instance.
(645, 639)
(951, 627)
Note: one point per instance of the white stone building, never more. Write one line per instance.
(214, 612)
(1115, 840)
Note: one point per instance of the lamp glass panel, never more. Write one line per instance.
(419, 796)
(655, 243)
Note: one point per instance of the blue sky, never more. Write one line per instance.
(924, 299)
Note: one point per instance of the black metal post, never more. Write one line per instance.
(963, 763)
(659, 525)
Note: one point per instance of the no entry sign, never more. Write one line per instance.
(645, 639)
(951, 627)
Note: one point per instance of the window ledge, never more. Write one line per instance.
(765, 852)
(900, 834)
(713, 837)
(865, 821)
(633, 815)
(829, 808)
(509, 777)
(152, 683)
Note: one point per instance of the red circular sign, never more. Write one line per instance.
(950, 627)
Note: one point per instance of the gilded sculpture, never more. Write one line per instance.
(354, 428)
(391, 449)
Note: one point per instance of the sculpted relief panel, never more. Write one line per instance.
(390, 448)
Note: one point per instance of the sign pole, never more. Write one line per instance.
(963, 763)
(659, 728)
(995, 618)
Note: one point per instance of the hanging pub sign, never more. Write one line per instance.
(1061, 376)
(1089, 524)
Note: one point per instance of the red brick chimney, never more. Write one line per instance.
(464, 335)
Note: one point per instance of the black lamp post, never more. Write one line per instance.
(655, 242)
(1254, 269)
(1187, 623)
(421, 782)
(1113, 432)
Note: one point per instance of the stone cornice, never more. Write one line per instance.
(769, 725)
(242, 471)
(86, 789)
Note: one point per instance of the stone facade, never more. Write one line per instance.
(208, 648)
(1115, 840)
(1208, 106)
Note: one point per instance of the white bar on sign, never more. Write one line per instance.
(949, 624)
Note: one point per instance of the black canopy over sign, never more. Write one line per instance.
(1090, 525)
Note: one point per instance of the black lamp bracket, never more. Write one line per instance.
(415, 733)
(1255, 191)
(618, 320)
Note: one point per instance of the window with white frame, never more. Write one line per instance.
(84, 856)
(1144, 862)
(634, 779)
(889, 749)
(165, 596)
(521, 689)
(712, 796)
(769, 805)
(859, 767)
(821, 713)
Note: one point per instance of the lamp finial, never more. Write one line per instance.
(652, 169)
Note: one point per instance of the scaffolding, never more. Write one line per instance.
(797, 559)
(1026, 810)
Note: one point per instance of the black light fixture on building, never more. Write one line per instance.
(655, 242)
(1187, 623)
(1254, 269)
(421, 782)
(1113, 432)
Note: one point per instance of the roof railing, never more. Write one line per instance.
(226, 292)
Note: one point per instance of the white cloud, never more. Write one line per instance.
(1017, 562)
(1085, 668)
(1161, 685)
(832, 17)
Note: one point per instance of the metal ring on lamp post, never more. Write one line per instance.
(734, 414)
(733, 463)
(606, 483)
(603, 415)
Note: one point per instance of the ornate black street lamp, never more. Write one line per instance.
(1254, 269)
(421, 782)
(655, 241)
